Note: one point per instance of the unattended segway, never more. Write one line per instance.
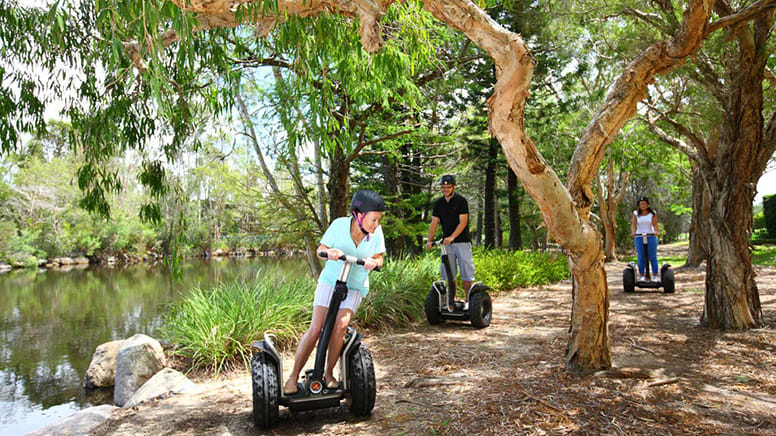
(441, 303)
(357, 373)
(629, 282)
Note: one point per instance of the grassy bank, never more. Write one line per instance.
(214, 328)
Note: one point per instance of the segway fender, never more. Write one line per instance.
(268, 346)
(477, 287)
(440, 287)
(350, 347)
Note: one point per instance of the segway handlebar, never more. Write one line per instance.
(345, 258)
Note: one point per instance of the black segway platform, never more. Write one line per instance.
(357, 373)
(441, 304)
(630, 283)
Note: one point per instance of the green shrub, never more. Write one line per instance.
(506, 270)
(22, 260)
(764, 255)
(398, 292)
(216, 327)
(759, 220)
(769, 210)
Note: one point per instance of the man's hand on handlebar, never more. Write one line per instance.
(429, 244)
(448, 240)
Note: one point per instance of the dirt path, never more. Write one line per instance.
(510, 378)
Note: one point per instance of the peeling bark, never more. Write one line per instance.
(732, 300)
(699, 230)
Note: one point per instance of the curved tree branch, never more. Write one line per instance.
(731, 19)
(627, 91)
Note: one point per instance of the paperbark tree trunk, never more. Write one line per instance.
(609, 205)
(729, 167)
(697, 250)
(732, 299)
(565, 209)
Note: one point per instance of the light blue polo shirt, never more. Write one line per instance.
(338, 236)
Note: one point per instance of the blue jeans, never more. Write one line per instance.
(651, 252)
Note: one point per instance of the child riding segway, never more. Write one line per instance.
(356, 368)
(347, 243)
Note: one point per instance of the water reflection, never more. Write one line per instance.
(51, 322)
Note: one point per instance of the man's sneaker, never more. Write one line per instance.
(655, 279)
(642, 278)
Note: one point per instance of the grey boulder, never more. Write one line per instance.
(165, 382)
(102, 369)
(139, 358)
(78, 424)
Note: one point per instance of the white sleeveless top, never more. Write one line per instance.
(644, 223)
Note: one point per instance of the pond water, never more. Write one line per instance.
(52, 321)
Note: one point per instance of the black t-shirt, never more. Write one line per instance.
(448, 212)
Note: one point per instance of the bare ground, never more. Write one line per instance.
(669, 376)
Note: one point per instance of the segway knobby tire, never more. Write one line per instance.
(432, 308)
(628, 280)
(265, 391)
(668, 281)
(480, 309)
(363, 388)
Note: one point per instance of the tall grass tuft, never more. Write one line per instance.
(216, 327)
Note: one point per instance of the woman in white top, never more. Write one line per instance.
(645, 223)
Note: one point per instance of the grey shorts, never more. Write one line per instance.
(460, 254)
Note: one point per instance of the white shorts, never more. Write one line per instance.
(323, 297)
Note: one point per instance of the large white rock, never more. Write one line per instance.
(78, 424)
(140, 357)
(102, 369)
(164, 382)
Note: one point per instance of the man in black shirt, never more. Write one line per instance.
(452, 210)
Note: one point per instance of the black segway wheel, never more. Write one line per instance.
(628, 280)
(432, 308)
(667, 279)
(480, 309)
(266, 388)
(363, 387)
